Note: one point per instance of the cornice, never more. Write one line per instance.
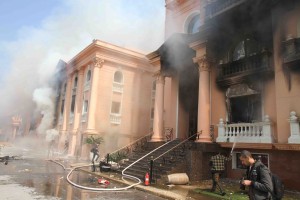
(276, 146)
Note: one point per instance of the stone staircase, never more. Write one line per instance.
(161, 166)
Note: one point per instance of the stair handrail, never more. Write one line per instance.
(146, 155)
(152, 161)
(174, 147)
(128, 145)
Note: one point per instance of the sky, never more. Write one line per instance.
(36, 34)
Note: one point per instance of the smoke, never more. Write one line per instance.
(34, 55)
(44, 104)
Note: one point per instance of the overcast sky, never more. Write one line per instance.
(35, 34)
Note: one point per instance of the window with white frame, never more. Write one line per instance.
(115, 107)
(85, 106)
(193, 23)
(88, 76)
(118, 77)
(118, 82)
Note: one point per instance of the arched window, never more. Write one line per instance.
(194, 24)
(88, 76)
(118, 77)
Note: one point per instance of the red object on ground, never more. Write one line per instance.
(103, 181)
(147, 179)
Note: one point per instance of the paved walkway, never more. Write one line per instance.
(178, 192)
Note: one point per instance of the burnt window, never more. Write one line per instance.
(245, 48)
(239, 51)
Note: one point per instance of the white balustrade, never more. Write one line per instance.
(117, 87)
(294, 129)
(258, 132)
(115, 118)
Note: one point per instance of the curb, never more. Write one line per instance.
(150, 189)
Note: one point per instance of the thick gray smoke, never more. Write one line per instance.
(34, 55)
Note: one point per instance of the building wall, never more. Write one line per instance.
(177, 15)
(286, 99)
(135, 97)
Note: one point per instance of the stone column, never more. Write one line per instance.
(77, 114)
(97, 64)
(203, 99)
(158, 125)
(294, 126)
(267, 135)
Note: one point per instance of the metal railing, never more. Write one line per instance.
(123, 152)
(167, 152)
(251, 64)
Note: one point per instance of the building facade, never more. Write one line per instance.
(229, 71)
(106, 91)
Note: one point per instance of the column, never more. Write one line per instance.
(158, 125)
(294, 129)
(77, 114)
(203, 99)
(97, 64)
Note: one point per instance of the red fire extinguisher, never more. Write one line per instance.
(147, 179)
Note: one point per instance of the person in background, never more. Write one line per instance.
(258, 177)
(66, 147)
(95, 152)
(217, 168)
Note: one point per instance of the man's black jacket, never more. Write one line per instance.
(261, 186)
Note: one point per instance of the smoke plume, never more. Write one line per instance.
(137, 25)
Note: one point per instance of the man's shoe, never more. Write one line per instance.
(223, 193)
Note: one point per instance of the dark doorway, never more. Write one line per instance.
(188, 95)
(245, 109)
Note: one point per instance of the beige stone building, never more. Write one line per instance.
(228, 70)
(231, 73)
(104, 91)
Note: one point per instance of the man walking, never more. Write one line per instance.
(217, 167)
(258, 177)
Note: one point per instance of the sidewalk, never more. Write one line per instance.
(178, 192)
(191, 191)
